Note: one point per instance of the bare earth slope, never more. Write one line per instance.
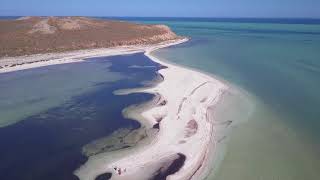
(34, 35)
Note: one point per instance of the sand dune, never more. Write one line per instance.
(33, 35)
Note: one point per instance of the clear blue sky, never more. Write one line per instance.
(163, 8)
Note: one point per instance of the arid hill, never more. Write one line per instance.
(33, 35)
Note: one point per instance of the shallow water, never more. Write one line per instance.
(27, 92)
(278, 65)
(65, 107)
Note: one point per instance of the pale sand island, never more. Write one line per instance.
(184, 146)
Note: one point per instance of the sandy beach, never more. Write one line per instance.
(183, 115)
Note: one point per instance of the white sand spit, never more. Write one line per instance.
(185, 128)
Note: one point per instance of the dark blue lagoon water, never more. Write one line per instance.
(50, 113)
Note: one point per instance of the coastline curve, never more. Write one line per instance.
(187, 128)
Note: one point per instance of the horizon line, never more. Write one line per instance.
(186, 17)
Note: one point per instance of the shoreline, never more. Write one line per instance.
(186, 123)
(184, 117)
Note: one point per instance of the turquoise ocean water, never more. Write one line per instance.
(277, 62)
